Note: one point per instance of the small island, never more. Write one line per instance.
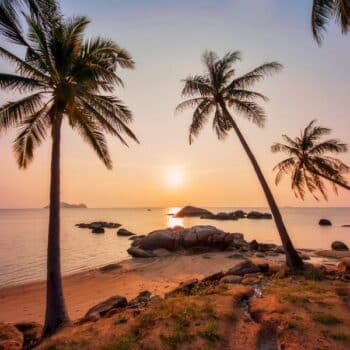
(70, 206)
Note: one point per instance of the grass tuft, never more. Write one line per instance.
(326, 319)
(209, 331)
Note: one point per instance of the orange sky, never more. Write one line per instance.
(166, 41)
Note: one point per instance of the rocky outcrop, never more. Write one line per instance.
(98, 230)
(325, 222)
(10, 337)
(175, 239)
(258, 215)
(124, 232)
(103, 308)
(65, 205)
(220, 216)
(339, 246)
(98, 224)
(190, 211)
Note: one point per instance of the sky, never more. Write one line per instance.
(166, 39)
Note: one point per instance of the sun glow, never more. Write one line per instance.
(175, 176)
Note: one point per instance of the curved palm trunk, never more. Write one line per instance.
(293, 260)
(340, 184)
(56, 314)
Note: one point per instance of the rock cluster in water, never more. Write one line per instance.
(98, 226)
(190, 211)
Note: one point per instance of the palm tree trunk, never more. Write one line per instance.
(293, 260)
(332, 180)
(56, 314)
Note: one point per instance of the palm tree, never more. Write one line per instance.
(324, 10)
(308, 163)
(64, 77)
(216, 93)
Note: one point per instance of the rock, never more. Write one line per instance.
(231, 279)
(253, 245)
(236, 256)
(220, 216)
(184, 287)
(31, 331)
(98, 224)
(161, 252)
(339, 246)
(134, 238)
(345, 225)
(98, 230)
(250, 280)
(257, 215)
(325, 222)
(213, 277)
(243, 268)
(334, 254)
(260, 255)
(110, 267)
(124, 232)
(190, 211)
(10, 337)
(92, 317)
(140, 253)
(279, 250)
(207, 237)
(240, 214)
(263, 267)
(142, 299)
(344, 265)
(115, 302)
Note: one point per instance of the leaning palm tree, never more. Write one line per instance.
(218, 92)
(323, 11)
(65, 78)
(309, 163)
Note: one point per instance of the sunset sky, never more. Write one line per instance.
(166, 39)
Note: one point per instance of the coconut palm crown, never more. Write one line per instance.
(309, 164)
(218, 93)
(323, 11)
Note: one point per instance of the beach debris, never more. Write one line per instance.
(10, 337)
(339, 246)
(110, 267)
(325, 222)
(102, 309)
(124, 232)
(32, 332)
(98, 224)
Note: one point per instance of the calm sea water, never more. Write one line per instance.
(23, 235)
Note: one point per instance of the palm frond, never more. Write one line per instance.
(200, 117)
(197, 85)
(192, 103)
(322, 12)
(250, 110)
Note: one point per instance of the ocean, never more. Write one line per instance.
(23, 235)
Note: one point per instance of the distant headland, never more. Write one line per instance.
(70, 206)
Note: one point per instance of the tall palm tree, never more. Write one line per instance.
(325, 10)
(64, 77)
(308, 162)
(218, 92)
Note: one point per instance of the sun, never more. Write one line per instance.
(175, 176)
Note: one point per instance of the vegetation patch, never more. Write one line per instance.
(325, 318)
(209, 331)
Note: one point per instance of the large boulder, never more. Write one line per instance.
(325, 222)
(339, 246)
(140, 253)
(258, 215)
(103, 308)
(10, 337)
(189, 211)
(124, 232)
(196, 236)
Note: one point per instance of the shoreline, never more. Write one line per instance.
(26, 302)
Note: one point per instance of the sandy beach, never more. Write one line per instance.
(83, 290)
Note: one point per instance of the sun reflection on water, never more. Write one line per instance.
(173, 221)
